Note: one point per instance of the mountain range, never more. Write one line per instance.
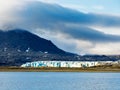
(23, 40)
(20, 46)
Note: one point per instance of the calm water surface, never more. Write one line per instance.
(59, 81)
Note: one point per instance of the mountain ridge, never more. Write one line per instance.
(20, 46)
(22, 40)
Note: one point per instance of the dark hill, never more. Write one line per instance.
(22, 40)
(19, 46)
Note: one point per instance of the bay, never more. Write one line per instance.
(59, 81)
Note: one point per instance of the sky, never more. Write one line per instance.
(96, 6)
(77, 26)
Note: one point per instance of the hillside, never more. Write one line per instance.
(22, 40)
(20, 46)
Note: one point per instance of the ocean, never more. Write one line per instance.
(59, 81)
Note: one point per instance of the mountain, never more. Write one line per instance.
(20, 46)
(22, 40)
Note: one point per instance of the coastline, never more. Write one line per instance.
(51, 69)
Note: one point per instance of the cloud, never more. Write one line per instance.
(38, 12)
(48, 1)
(61, 20)
(85, 33)
(98, 7)
(106, 49)
(53, 13)
(53, 19)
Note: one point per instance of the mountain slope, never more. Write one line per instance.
(23, 40)
(19, 46)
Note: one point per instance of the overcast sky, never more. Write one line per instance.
(78, 26)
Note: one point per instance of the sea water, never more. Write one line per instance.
(59, 81)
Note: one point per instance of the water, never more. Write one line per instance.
(59, 81)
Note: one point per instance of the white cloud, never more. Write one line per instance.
(8, 12)
(49, 1)
(106, 48)
(107, 30)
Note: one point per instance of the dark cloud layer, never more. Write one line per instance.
(55, 18)
(51, 13)
(85, 33)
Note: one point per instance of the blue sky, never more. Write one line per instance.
(96, 6)
(78, 26)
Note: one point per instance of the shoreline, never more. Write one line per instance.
(49, 69)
